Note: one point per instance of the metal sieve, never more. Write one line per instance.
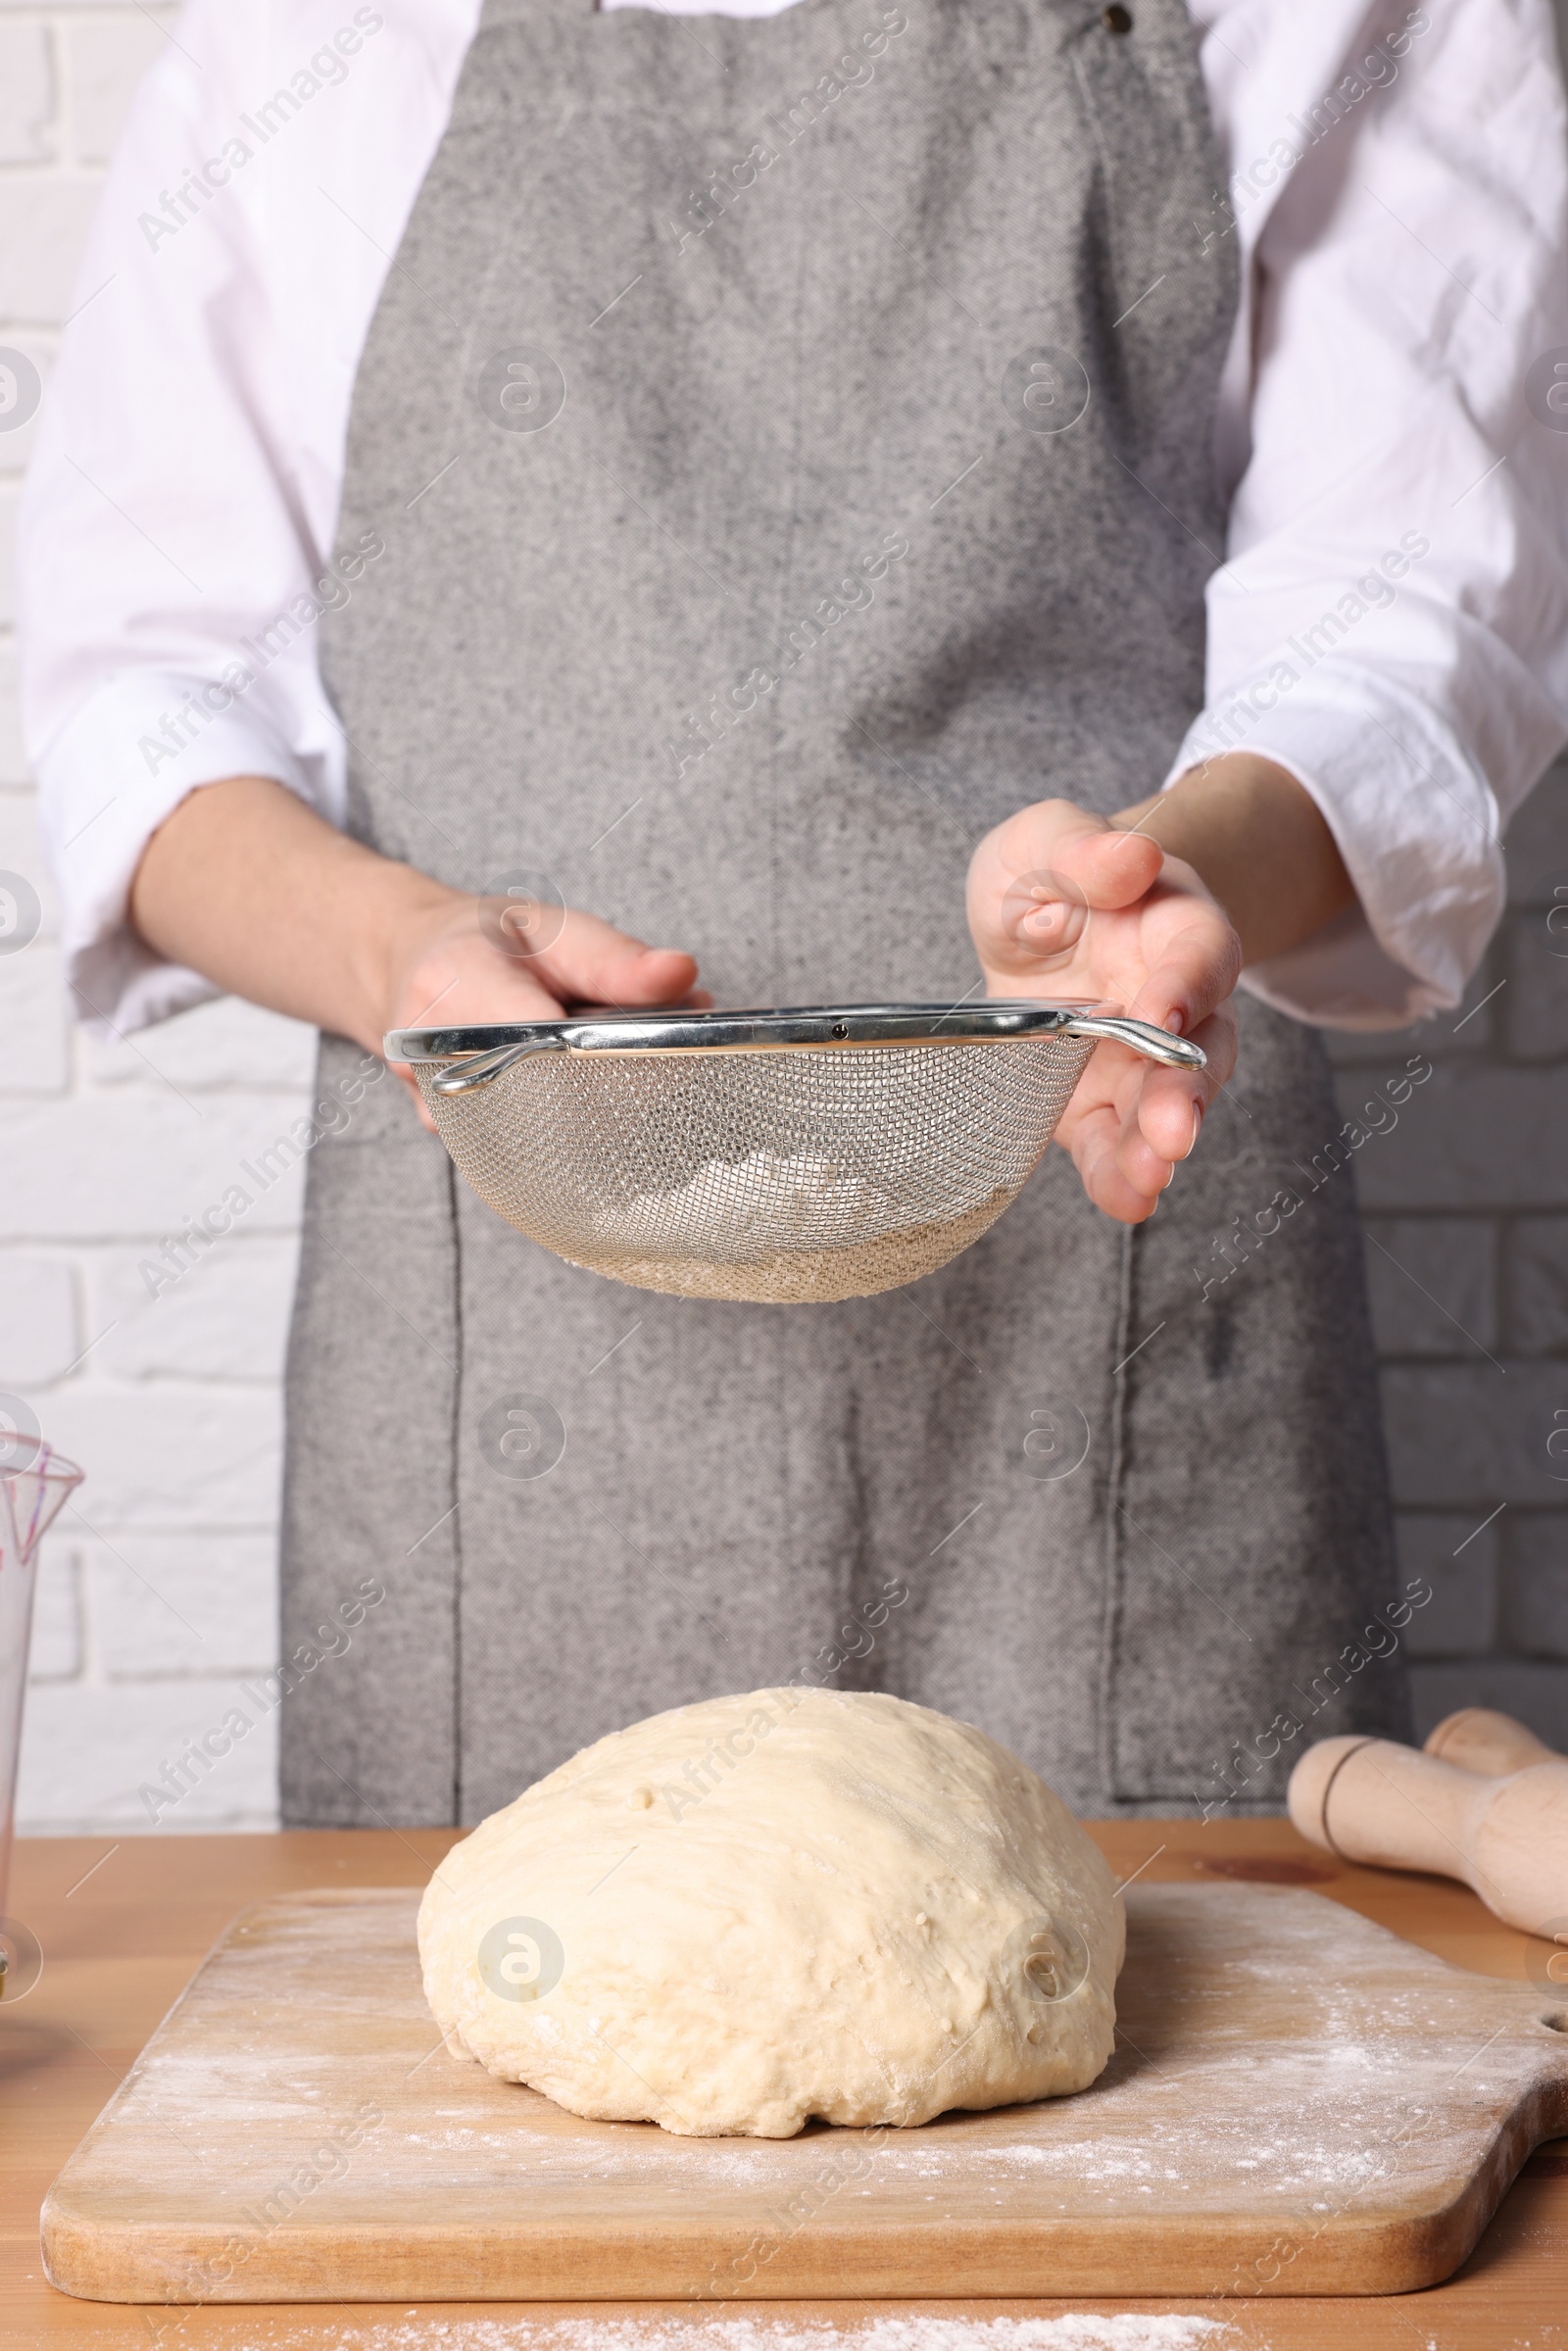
(779, 1157)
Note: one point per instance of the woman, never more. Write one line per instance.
(788, 463)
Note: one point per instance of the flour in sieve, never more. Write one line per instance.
(738, 1209)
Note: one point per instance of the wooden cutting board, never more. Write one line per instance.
(1300, 2102)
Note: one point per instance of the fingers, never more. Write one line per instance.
(699, 1000)
(1164, 1119)
(1195, 965)
(1033, 880)
(1166, 1106)
(1096, 1145)
(591, 962)
(1130, 1137)
(461, 982)
(468, 970)
(1111, 868)
(473, 968)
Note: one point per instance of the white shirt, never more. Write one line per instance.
(1402, 267)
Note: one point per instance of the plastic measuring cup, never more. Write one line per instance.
(35, 1481)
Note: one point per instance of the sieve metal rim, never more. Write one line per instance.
(481, 1052)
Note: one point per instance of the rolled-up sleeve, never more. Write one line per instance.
(1391, 621)
(175, 546)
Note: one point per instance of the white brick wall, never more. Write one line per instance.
(1466, 1208)
(160, 1592)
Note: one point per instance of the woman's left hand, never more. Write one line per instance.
(1062, 905)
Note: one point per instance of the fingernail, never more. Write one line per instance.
(1173, 1024)
(1198, 1123)
(1169, 1180)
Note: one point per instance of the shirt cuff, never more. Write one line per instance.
(108, 780)
(1415, 822)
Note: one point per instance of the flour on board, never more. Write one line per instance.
(1075, 2331)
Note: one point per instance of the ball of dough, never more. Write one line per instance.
(740, 1914)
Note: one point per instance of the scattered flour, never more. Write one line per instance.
(425, 2329)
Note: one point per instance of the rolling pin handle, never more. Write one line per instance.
(1479, 1740)
(1307, 1797)
(1372, 1800)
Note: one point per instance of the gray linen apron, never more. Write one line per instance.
(815, 574)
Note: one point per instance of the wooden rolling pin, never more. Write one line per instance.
(1370, 1800)
(1478, 1740)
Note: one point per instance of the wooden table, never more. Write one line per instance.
(123, 1926)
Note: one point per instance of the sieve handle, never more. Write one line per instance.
(465, 1076)
(1155, 1045)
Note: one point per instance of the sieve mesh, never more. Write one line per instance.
(784, 1176)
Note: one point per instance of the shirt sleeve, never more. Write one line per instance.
(175, 545)
(1391, 623)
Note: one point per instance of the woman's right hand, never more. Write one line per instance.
(244, 883)
(493, 959)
